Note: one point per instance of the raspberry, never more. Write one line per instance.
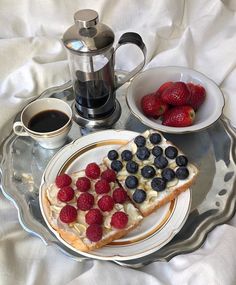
(83, 184)
(85, 201)
(68, 214)
(102, 187)
(119, 220)
(65, 194)
(94, 232)
(92, 170)
(119, 195)
(63, 180)
(109, 175)
(106, 203)
(94, 216)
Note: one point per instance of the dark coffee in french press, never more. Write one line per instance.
(91, 61)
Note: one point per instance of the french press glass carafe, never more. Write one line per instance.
(91, 60)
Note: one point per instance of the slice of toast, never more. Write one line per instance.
(158, 175)
(75, 233)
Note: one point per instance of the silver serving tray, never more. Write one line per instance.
(213, 196)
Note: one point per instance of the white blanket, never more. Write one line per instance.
(199, 34)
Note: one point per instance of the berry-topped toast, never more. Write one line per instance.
(89, 209)
(152, 170)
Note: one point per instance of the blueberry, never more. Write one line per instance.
(143, 153)
(148, 171)
(168, 174)
(131, 182)
(126, 155)
(160, 162)
(158, 184)
(140, 141)
(116, 165)
(112, 154)
(181, 160)
(155, 138)
(157, 150)
(171, 152)
(182, 172)
(139, 196)
(132, 167)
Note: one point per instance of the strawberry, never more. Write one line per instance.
(148, 104)
(180, 116)
(153, 106)
(177, 94)
(197, 95)
(161, 107)
(164, 86)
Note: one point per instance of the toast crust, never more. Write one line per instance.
(173, 195)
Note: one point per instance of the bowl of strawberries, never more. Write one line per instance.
(175, 99)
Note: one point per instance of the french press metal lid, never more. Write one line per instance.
(88, 36)
(91, 60)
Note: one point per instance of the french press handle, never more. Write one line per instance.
(131, 38)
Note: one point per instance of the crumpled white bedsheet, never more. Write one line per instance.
(199, 34)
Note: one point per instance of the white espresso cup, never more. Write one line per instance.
(47, 120)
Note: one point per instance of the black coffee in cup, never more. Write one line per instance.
(48, 121)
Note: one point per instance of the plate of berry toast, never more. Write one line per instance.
(116, 194)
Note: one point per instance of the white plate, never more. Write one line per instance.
(149, 80)
(155, 230)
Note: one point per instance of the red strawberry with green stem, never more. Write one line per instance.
(153, 106)
(177, 94)
(197, 95)
(161, 107)
(180, 116)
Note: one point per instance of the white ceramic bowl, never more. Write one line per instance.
(148, 81)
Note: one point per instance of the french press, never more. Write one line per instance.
(91, 60)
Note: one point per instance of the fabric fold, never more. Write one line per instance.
(199, 34)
